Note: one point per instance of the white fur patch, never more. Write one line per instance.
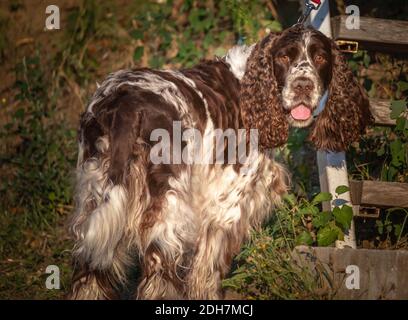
(99, 231)
(237, 58)
(104, 228)
(302, 68)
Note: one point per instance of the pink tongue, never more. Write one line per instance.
(301, 112)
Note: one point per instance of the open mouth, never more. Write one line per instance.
(301, 112)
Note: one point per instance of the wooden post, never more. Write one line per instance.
(332, 166)
(333, 173)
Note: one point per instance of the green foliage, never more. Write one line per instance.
(185, 36)
(387, 147)
(77, 58)
(388, 228)
(37, 192)
(266, 269)
(42, 160)
(342, 189)
(327, 235)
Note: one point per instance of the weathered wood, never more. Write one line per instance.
(381, 111)
(374, 34)
(382, 273)
(379, 193)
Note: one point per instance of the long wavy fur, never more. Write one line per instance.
(346, 114)
(260, 101)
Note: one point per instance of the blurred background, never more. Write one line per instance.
(48, 76)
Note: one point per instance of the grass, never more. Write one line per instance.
(36, 194)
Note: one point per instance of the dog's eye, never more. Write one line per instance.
(319, 59)
(284, 59)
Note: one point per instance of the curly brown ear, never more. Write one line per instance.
(347, 111)
(260, 103)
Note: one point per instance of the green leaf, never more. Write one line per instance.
(137, 34)
(381, 151)
(327, 235)
(19, 114)
(397, 230)
(321, 197)
(391, 173)
(380, 226)
(397, 153)
(304, 238)
(343, 216)
(309, 210)
(342, 189)
(290, 199)
(322, 219)
(51, 196)
(402, 86)
(366, 60)
(402, 124)
(397, 107)
(340, 235)
(138, 54)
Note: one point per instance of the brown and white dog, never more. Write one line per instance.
(182, 223)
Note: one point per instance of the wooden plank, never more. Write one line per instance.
(381, 273)
(379, 193)
(381, 111)
(374, 34)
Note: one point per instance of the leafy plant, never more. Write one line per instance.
(388, 228)
(266, 270)
(265, 267)
(77, 58)
(383, 154)
(197, 30)
(43, 157)
(37, 189)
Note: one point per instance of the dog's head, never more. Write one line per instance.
(286, 76)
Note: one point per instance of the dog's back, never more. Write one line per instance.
(126, 203)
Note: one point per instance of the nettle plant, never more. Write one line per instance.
(311, 225)
(265, 268)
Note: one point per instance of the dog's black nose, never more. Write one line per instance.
(303, 85)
